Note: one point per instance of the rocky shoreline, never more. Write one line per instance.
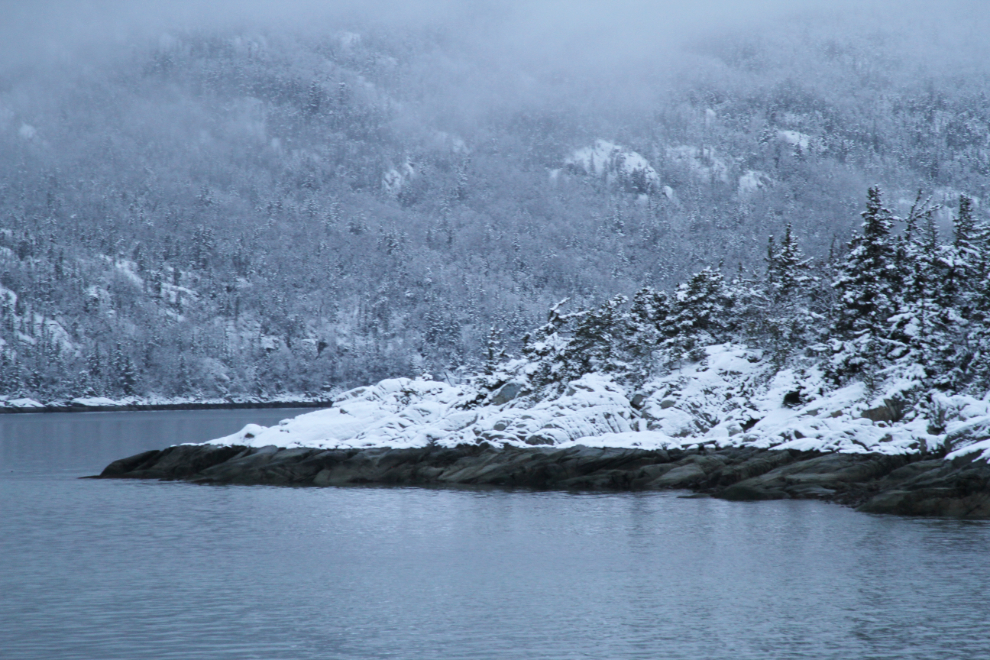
(75, 407)
(910, 485)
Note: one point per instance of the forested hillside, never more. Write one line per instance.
(251, 212)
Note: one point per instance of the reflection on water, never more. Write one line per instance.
(119, 569)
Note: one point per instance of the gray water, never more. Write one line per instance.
(125, 569)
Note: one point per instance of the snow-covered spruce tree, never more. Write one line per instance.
(936, 323)
(94, 365)
(788, 267)
(610, 339)
(495, 353)
(8, 374)
(595, 344)
(642, 329)
(699, 316)
(916, 326)
(125, 371)
(570, 345)
(971, 261)
(544, 346)
(869, 284)
(949, 347)
(788, 322)
(964, 259)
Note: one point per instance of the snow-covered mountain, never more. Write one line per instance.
(253, 212)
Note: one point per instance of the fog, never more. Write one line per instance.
(550, 35)
(214, 189)
(512, 51)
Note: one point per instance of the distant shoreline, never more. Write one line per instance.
(143, 407)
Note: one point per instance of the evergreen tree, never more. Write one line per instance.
(790, 265)
(964, 227)
(594, 345)
(912, 327)
(94, 365)
(962, 260)
(495, 353)
(869, 284)
(786, 319)
(867, 281)
(970, 359)
(644, 322)
(545, 346)
(6, 375)
(699, 315)
(125, 371)
(183, 379)
(771, 262)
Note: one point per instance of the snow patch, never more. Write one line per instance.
(703, 163)
(94, 401)
(395, 179)
(795, 139)
(752, 181)
(616, 164)
(23, 403)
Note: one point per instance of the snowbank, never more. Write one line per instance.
(733, 398)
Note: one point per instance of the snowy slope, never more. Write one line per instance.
(616, 164)
(734, 397)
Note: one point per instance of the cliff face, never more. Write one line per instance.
(875, 483)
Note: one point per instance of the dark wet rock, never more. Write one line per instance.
(507, 393)
(892, 410)
(745, 492)
(905, 485)
(179, 462)
(960, 488)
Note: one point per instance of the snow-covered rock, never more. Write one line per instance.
(796, 139)
(94, 402)
(704, 163)
(618, 165)
(23, 403)
(395, 178)
(752, 181)
(732, 398)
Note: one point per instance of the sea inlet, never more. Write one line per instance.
(126, 569)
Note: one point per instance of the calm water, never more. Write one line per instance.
(117, 569)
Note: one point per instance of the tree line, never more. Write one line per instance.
(896, 294)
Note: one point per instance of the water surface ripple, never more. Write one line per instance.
(125, 569)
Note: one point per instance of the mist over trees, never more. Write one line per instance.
(216, 211)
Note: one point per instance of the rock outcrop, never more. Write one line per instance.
(875, 483)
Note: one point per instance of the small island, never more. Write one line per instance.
(744, 390)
